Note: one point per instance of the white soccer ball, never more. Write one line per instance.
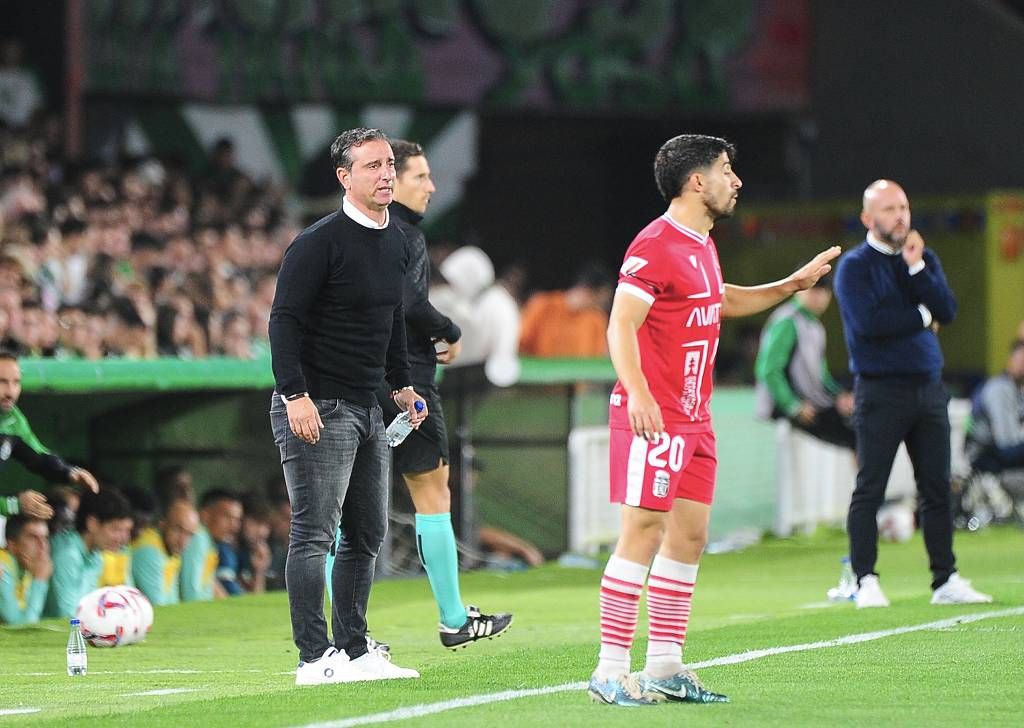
(143, 613)
(106, 617)
(114, 615)
(896, 522)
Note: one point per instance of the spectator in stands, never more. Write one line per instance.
(996, 437)
(485, 312)
(156, 553)
(25, 569)
(236, 336)
(253, 547)
(793, 380)
(19, 442)
(19, 87)
(103, 523)
(570, 323)
(221, 514)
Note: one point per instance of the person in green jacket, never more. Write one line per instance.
(25, 570)
(103, 523)
(156, 553)
(18, 442)
(793, 380)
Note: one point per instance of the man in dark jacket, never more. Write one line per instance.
(422, 458)
(893, 296)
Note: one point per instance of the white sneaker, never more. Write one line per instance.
(376, 666)
(332, 667)
(958, 590)
(869, 593)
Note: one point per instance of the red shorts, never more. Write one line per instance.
(653, 474)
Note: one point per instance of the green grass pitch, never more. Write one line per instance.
(228, 663)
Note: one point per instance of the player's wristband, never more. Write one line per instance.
(13, 506)
(286, 398)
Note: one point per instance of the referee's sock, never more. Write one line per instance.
(435, 540)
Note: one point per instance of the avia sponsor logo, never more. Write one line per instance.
(705, 315)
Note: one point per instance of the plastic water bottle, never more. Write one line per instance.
(77, 660)
(847, 588)
(400, 427)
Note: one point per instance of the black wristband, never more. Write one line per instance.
(293, 397)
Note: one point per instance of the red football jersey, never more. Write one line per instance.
(676, 270)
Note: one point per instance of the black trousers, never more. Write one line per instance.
(886, 413)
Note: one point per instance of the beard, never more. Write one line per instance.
(718, 209)
(891, 237)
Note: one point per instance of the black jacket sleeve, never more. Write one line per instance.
(420, 315)
(45, 465)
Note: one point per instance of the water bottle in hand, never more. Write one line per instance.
(76, 650)
(400, 427)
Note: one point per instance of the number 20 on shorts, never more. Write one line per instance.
(672, 445)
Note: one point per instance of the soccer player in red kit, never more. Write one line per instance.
(663, 338)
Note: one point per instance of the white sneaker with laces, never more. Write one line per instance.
(376, 666)
(332, 667)
(958, 590)
(869, 593)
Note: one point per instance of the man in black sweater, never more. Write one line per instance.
(892, 296)
(422, 458)
(337, 330)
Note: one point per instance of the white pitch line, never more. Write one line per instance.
(19, 711)
(142, 672)
(162, 691)
(418, 711)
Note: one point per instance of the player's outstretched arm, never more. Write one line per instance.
(748, 300)
(628, 314)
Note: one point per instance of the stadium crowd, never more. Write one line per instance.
(134, 259)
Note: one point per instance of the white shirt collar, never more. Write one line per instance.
(702, 239)
(880, 246)
(365, 220)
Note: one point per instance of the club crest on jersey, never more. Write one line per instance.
(632, 265)
(660, 484)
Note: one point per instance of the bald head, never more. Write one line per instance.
(886, 212)
(179, 525)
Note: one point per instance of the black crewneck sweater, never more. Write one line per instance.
(337, 326)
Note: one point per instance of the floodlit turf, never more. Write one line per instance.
(230, 661)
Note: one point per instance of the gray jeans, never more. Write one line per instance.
(342, 479)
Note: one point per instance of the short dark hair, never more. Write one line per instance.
(107, 505)
(405, 150)
(6, 355)
(216, 495)
(680, 156)
(341, 149)
(16, 524)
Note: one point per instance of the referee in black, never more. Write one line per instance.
(892, 296)
(422, 458)
(337, 331)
